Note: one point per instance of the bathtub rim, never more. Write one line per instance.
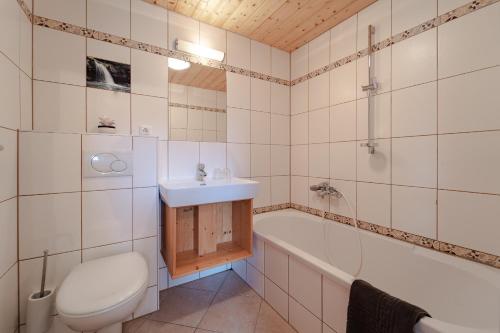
(424, 325)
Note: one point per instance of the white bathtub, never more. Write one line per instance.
(461, 296)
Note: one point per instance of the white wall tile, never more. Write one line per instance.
(470, 102)
(8, 235)
(49, 163)
(276, 266)
(30, 274)
(343, 84)
(414, 210)
(280, 160)
(319, 160)
(106, 103)
(468, 161)
(305, 286)
(448, 5)
(299, 62)
(58, 107)
(148, 248)
(374, 203)
(194, 120)
(214, 270)
(260, 57)
(378, 15)
(277, 298)
(319, 90)
(183, 28)
(335, 301)
(8, 164)
(238, 90)
(105, 143)
(111, 16)
(183, 279)
(454, 58)
(299, 129)
(280, 99)
(260, 95)
(414, 110)
(280, 63)
(240, 268)
(149, 23)
(108, 51)
(162, 157)
(261, 160)
(381, 115)
(260, 127)
(299, 190)
(106, 250)
(343, 160)
(343, 122)
(213, 37)
(25, 44)
(303, 320)
(238, 159)
(319, 122)
(51, 222)
(106, 217)
(213, 155)
(145, 212)
(255, 279)
(58, 56)
(26, 95)
(10, 30)
(382, 72)
(343, 39)
(148, 304)
(238, 125)
(319, 51)
(177, 93)
(414, 161)
(150, 111)
(9, 93)
(340, 206)
(183, 158)
(73, 12)
(149, 75)
(280, 189)
(145, 161)
(257, 258)
(280, 129)
(407, 14)
(375, 167)
(9, 304)
(238, 50)
(469, 220)
(299, 98)
(299, 160)
(415, 60)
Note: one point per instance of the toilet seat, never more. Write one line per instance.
(103, 291)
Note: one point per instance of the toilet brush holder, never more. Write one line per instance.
(38, 312)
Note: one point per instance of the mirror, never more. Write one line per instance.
(197, 104)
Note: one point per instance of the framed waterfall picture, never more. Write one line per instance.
(109, 75)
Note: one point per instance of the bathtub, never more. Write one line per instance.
(313, 294)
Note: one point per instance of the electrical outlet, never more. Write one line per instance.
(145, 130)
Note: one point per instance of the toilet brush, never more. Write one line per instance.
(39, 305)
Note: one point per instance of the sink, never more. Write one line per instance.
(179, 193)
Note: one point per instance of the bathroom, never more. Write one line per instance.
(244, 164)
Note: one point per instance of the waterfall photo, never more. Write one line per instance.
(110, 75)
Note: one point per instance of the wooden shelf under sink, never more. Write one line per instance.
(195, 238)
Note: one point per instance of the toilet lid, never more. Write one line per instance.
(100, 284)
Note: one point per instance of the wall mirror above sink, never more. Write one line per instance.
(197, 102)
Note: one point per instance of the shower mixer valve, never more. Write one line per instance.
(324, 189)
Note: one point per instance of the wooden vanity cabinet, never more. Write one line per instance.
(195, 238)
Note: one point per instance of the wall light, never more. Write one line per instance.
(178, 65)
(199, 50)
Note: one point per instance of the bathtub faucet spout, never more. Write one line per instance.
(324, 189)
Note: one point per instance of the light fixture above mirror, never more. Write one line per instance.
(199, 50)
(178, 65)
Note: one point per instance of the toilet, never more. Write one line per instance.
(98, 295)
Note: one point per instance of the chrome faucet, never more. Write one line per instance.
(201, 173)
(324, 189)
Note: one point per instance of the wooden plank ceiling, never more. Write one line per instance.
(285, 24)
(199, 76)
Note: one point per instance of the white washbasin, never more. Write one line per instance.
(179, 193)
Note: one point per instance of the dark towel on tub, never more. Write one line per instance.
(371, 310)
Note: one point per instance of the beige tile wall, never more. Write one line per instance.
(434, 170)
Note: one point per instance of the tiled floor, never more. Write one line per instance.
(218, 303)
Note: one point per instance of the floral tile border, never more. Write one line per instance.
(271, 208)
(429, 243)
(423, 27)
(197, 107)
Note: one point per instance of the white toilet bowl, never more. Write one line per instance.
(100, 294)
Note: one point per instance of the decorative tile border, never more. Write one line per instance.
(197, 107)
(272, 208)
(430, 24)
(429, 243)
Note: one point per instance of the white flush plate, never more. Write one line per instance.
(107, 164)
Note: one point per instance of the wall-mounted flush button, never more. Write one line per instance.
(145, 130)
